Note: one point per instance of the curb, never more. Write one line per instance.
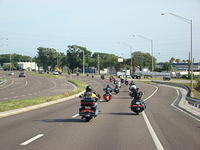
(29, 108)
(2, 82)
(178, 100)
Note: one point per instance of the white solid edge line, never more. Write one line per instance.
(152, 132)
(76, 115)
(172, 104)
(32, 139)
(152, 93)
(150, 128)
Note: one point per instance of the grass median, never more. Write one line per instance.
(16, 104)
(46, 75)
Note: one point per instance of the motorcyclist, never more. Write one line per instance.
(138, 98)
(119, 84)
(90, 94)
(126, 81)
(108, 90)
(132, 85)
(116, 88)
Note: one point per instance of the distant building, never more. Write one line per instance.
(29, 66)
(184, 67)
(180, 69)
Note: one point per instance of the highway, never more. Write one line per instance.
(57, 127)
(32, 86)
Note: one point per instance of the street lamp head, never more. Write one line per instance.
(162, 14)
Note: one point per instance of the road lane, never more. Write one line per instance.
(175, 129)
(33, 86)
(115, 128)
(56, 117)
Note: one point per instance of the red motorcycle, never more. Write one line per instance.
(107, 97)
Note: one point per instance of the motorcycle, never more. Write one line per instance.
(102, 77)
(107, 97)
(116, 90)
(88, 109)
(137, 106)
(126, 82)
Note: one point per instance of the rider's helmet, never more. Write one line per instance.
(88, 88)
(132, 83)
(140, 94)
(132, 88)
(107, 86)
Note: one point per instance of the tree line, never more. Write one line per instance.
(49, 58)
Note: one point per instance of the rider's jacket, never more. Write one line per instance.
(108, 89)
(90, 95)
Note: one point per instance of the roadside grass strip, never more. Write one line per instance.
(16, 104)
(46, 75)
(196, 93)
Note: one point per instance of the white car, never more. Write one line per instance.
(55, 73)
(11, 73)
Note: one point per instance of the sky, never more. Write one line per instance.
(101, 26)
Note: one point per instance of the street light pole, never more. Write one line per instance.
(143, 37)
(98, 64)
(152, 55)
(83, 62)
(191, 57)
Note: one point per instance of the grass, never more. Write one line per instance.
(15, 104)
(196, 93)
(46, 75)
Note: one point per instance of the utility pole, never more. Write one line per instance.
(98, 64)
(10, 62)
(152, 68)
(83, 62)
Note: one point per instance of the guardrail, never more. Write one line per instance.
(192, 101)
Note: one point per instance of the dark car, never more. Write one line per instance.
(167, 78)
(136, 76)
(22, 74)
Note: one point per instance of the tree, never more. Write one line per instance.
(49, 57)
(5, 58)
(166, 66)
(75, 56)
(106, 60)
(172, 60)
(177, 60)
(144, 59)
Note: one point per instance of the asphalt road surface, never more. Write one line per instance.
(58, 127)
(32, 86)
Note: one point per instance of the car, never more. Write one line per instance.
(11, 73)
(22, 74)
(55, 73)
(167, 78)
(136, 76)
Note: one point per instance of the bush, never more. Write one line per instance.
(184, 76)
(198, 82)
